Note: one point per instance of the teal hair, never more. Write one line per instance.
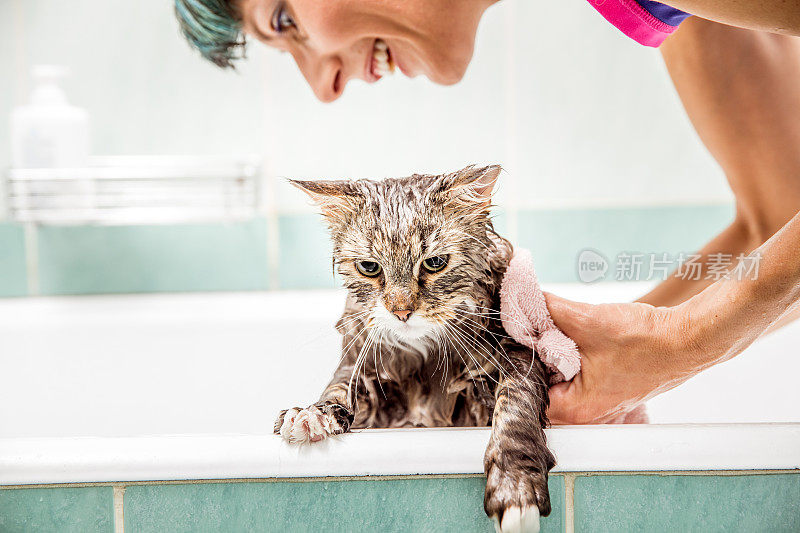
(214, 28)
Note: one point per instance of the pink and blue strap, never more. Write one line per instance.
(645, 21)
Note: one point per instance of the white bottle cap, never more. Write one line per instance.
(47, 90)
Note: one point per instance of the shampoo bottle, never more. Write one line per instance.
(49, 132)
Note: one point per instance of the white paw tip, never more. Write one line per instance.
(496, 523)
(516, 520)
(304, 426)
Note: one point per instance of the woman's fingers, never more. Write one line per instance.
(573, 403)
(561, 402)
(573, 318)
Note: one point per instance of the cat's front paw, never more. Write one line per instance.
(515, 499)
(312, 424)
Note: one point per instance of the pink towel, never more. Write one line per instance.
(526, 318)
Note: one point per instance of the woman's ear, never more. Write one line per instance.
(336, 199)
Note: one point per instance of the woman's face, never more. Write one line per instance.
(334, 41)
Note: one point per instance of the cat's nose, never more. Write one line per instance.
(402, 314)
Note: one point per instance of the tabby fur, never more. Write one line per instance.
(451, 363)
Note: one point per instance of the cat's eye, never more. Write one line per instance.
(368, 268)
(435, 263)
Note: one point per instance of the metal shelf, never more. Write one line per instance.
(137, 190)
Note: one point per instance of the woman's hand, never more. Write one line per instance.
(632, 352)
(629, 353)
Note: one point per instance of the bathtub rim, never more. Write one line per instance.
(395, 452)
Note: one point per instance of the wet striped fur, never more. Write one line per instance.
(451, 362)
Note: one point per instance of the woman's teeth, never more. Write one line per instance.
(382, 63)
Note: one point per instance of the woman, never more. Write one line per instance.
(739, 80)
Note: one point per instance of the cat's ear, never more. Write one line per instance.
(337, 199)
(472, 185)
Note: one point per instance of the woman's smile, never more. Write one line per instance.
(381, 63)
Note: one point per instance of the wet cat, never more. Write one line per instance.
(423, 344)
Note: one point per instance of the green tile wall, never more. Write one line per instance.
(637, 503)
(61, 510)
(556, 237)
(426, 504)
(13, 280)
(120, 259)
(305, 253)
(602, 503)
(208, 257)
(500, 221)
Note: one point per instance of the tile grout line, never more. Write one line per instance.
(31, 244)
(569, 503)
(119, 508)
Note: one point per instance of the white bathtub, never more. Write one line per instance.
(155, 387)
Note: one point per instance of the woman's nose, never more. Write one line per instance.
(325, 76)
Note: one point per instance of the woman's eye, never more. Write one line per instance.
(368, 268)
(435, 264)
(281, 19)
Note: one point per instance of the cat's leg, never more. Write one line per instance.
(333, 414)
(329, 416)
(517, 460)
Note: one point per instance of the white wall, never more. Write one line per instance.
(574, 110)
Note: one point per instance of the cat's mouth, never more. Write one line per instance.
(415, 328)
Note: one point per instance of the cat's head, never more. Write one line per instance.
(413, 252)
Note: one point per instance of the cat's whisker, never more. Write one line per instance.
(454, 340)
(443, 358)
(486, 348)
(359, 361)
(364, 363)
(377, 372)
(463, 340)
(438, 340)
(354, 324)
(496, 315)
(460, 314)
(356, 317)
(500, 315)
(447, 356)
(494, 335)
(316, 338)
(481, 351)
(351, 343)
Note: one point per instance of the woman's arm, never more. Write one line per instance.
(741, 90)
(632, 352)
(775, 16)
